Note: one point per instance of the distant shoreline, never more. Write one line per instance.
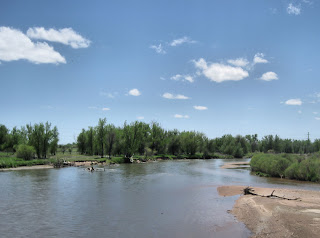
(28, 167)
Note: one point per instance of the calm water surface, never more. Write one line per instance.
(157, 199)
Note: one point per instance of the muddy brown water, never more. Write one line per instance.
(157, 199)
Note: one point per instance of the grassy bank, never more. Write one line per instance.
(13, 162)
(9, 160)
(300, 167)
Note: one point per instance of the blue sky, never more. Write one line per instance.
(220, 67)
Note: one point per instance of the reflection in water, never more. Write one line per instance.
(161, 199)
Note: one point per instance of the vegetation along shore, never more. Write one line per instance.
(105, 143)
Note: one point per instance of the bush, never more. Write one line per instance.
(290, 166)
(25, 152)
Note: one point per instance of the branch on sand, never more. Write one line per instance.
(250, 191)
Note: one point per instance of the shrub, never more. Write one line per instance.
(25, 152)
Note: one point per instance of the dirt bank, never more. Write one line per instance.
(233, 165)
(274, 217)
(29, 167)
(84, 163)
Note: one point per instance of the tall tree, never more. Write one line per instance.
(101, 134)
(111, 138)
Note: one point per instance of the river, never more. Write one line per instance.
(156, 199)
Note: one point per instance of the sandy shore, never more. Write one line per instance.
(233, 165)
(274, 217)
(29, 167)
(84, 163)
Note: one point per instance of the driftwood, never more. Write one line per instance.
(250, 191)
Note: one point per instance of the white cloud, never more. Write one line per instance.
(105, 109)
(315, 113)
(300, 112)
(182, 40)
(308, 2)
(134, 92)
(181, 116)
(66, 36)
(172, 96)
(178, 77)
(219, 72)
(294, 10)
(140, 118)
(317, 118)
(159, 49)
(189, 78)
(259, 59)
(15, 45)
(240, 62)
(269, 76)
(294, 102)
(201, 108)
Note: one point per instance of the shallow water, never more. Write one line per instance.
(157, 199)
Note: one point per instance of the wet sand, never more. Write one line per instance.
(29, 167)
(275, 217)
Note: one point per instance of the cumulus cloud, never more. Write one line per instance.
(200, 108)
(293, 10)
(66, 36)
(259, 59)
(172, 96)
(294, 102)
(15, 45)
(134, 92)
(158, 48)
(105, 109)
(140, 117)
(180, 116)
(219, 72)
(240, 62)
(182, 40)
(269, 76)
(179, 77)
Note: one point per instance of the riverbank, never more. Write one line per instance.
(29, 167)
(275, 217)
(234, 165)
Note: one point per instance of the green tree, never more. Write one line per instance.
(81, 142)
(111, 138)
(101, 135)
(54, 141)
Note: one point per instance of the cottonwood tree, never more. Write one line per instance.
(101, 135)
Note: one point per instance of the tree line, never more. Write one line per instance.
(38, 139)
(140, 138)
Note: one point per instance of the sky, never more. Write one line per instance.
(218, 67)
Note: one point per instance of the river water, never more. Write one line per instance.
(156, 199)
